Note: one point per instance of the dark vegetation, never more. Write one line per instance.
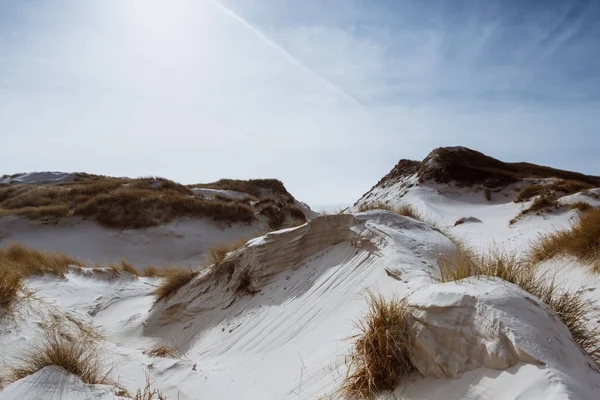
(125, 203)
(469, 167)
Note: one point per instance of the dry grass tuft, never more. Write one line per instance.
(148, 393)
(487, 194)
(79, 357)
(127, 267)
(460, 221)
(151, 272)
(579, 206)
(403, 209)
(165, 352)
(571, 308)
(380, 360)
(582, 240)
(174, 279)
(564, 187)
(29, 261)
(11, 284)
(542, 203)
(218, 253)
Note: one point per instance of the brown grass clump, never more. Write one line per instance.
(174, 279)
(39, 212)
(11, 284)
(78, 357)
(564, 187)
(403, 209)
(29, 261)
(541, 204)
(579, 206)
(164, 351)
(380, 360)
(488, 194)
(582, 240)
(571, 308)
(460, 221)
(148, 393)
(151, 272)
(528, 192)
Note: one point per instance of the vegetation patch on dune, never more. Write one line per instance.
(125, 203)
(571, 308)
(164, 351)
(469, 167)
(29, 261)
(11, 284)
(552, 190)
(79, 357)
(254, 187)
(582, 241)
(380, 359)
(173, 280)
(148, 393)
(139, 208)
(403, 209)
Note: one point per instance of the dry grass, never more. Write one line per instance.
(138, 208)
(40, 212)
(582, 240)
(487, 194)
(17, 262)
(164, 351)
(217, 253)
(125, 203)
(148, 393)
(29, 261)
(78, 357)
(579, 206)
(541, 204)
(460, 221)
(571, 308)
(174, 279)
(565, 187)
(151, 272)
(403, 209)
(11, 284)
(380, 359)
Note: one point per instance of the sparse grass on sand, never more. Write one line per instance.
(173, 280)
(565, 187)
(11, 284)
(380, 357)
(29, 261)
(164, 351)
(542, 203)
(149, 393)
(571, 308)
(582, 240)
(79, 357)
(403, 209)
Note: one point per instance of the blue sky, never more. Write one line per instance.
(324, 95)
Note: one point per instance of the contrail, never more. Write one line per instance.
(290, 58)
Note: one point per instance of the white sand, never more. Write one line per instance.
(477, 338)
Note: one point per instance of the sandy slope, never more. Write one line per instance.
(182, 242)
(477, 339)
